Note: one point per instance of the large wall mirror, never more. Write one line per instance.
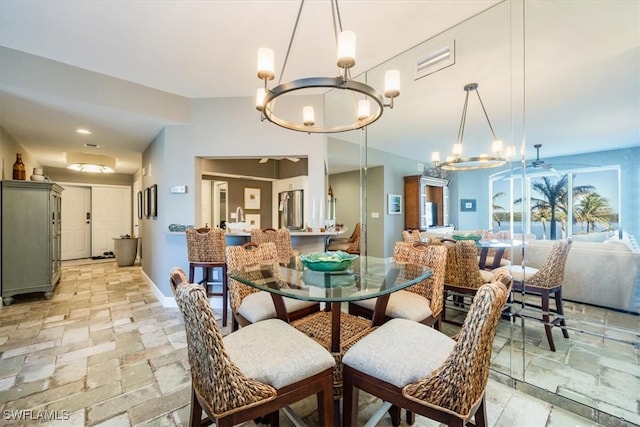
(563, 75)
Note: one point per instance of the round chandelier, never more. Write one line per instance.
(362, 95)
(456, 162)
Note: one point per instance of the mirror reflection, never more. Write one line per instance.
(560, 81)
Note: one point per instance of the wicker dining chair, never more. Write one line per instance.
(253, 373)
(463, 276)
(440, 378)
(411, 235)
(545, 282)
(206, 250)
(248, 304)
(422, 302)
(350, 244)
(281, 237)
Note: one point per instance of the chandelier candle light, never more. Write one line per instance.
(456, 162)
(362, 93)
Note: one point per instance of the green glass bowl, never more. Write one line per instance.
(329, 279)
(467, 236)
(328, 261)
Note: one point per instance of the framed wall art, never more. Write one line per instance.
(252, 220)
(251, 198)
(394, 204)
(147, 193)
(153, 201)
(140, 208)
(467, 205)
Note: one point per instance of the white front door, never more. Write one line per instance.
(111, 216)
(76, 222)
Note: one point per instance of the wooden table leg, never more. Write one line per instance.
(281, 310)
(379, 311)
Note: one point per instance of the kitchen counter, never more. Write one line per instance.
(293, 233)
(302, 241)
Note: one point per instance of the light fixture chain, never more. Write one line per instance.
(335, 13)
(463, 119)
(293, 34)
(485, 114)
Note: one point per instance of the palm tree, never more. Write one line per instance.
(593, 209)
(496, 207)
(555, 199)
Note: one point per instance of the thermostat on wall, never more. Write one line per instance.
(179, 189)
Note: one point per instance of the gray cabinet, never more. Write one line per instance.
(30, 236)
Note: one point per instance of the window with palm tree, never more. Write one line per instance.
(553, 212)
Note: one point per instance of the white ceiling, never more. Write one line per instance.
(170, 51)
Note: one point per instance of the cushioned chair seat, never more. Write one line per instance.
(520, 276)
(402, 304)
(258, 306)
(411, 351)
(260, 348)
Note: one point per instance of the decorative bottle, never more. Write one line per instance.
(19, 171)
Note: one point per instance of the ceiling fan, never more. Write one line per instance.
(540, 164)
(536, 166)
(291, 159)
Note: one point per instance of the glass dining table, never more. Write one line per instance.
(368, 277)
(498, 248)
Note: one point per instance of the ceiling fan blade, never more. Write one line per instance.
(293, 159)
(264, 160)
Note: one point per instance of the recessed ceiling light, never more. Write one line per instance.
(88, 145)
(84, 131)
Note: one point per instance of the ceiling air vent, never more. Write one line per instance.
(436, 60)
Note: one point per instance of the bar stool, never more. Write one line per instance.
(206, 249)
(281, 237)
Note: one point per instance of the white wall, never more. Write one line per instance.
(219, 127)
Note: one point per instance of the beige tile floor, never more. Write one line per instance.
(104, 352)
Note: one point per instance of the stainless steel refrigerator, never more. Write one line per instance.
(291, 210)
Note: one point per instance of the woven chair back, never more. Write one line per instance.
(411, 235)
(551, 274)
(435, 258)
(281, 237)
(176, 278)
(465, 269)
(459, 383)
(248, 259)
(462, 268)
(217, 381)
(354, 247)
(206, 245)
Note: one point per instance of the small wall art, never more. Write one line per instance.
(252, 220)
(394, 204)
(251, 198)
(467, 205)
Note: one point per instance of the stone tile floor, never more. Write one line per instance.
(104, 352)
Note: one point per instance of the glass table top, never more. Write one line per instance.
(368, 277)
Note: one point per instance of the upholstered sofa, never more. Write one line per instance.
(600, 273)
